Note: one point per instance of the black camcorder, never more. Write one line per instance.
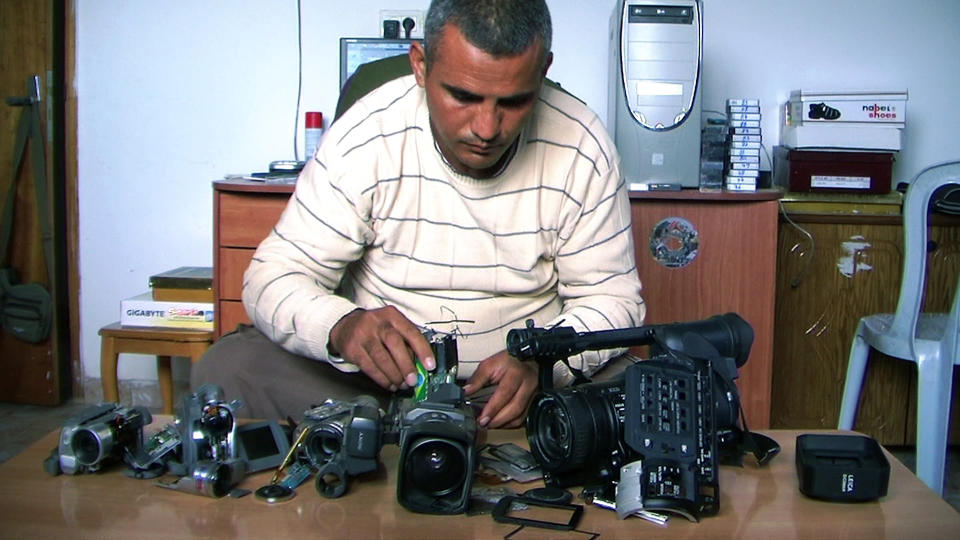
(437, 433)
(435, 428)
(676, 414)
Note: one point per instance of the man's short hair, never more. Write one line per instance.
(497, 27)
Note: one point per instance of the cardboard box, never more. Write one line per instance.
(864, 108)
(853, 137)
(142, 310)
(832, 171)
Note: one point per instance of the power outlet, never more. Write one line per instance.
(399, 15)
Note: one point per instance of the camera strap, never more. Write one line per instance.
(763, 447)
(26, 310)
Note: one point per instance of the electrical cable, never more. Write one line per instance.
(296, 118)
(798, 278)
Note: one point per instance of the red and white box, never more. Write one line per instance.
(888, 108)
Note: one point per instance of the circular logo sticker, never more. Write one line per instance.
(674, 242)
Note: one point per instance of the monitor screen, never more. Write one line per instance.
(357, 51)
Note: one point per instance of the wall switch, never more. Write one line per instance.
(399, 15)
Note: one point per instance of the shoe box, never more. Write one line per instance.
(887, 108)
(832, 171)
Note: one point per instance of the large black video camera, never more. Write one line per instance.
(435, 428)
(437, 436)
(676, 413)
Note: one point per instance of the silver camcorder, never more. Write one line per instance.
(100, 435)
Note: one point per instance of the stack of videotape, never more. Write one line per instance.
(743, 153)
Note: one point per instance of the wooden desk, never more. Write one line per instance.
(755, 503)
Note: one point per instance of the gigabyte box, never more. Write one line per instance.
(841, 468)
(866, 108)
(832, 171)
(142, 310)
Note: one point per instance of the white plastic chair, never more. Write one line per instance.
(932, 340)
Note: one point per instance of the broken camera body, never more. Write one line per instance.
(675, 414)
(435, 428)
(341, 439)
(208, 459)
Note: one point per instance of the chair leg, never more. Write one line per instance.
(108, 369)
(856, 367)
(934, 386)
(165, 377)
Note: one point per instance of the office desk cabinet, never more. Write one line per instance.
(834, 268)
(244, 212)
(733, 270)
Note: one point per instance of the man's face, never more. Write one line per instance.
(478, 103)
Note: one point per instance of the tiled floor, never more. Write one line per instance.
(22, 425)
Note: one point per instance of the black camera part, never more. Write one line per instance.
(841, 468)
(566, 515)
(262, 445)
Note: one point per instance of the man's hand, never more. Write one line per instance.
(383, 343)
(516, 384)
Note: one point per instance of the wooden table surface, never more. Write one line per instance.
(755, 503)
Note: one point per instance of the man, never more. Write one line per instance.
(467, 198)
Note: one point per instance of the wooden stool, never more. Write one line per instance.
(162, 342)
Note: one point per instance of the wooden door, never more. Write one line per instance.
(31, 43)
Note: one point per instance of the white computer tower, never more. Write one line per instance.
(656, 49)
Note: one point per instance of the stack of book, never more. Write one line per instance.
(743, 147)
(178, 298)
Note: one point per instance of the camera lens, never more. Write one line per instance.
(554, 432)
(212, 478)
(323, 444)
(566, 429)
(91, 445)
(86, 447)
(436, 466)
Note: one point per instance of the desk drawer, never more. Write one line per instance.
(247, 218)
(231, 314)
(231, 264)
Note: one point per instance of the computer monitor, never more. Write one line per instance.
(357, 51)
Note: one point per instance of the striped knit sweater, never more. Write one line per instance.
(379, 218)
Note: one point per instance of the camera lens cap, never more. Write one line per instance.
(274, 493)
(553, 495)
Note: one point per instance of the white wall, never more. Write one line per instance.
(173, 95)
